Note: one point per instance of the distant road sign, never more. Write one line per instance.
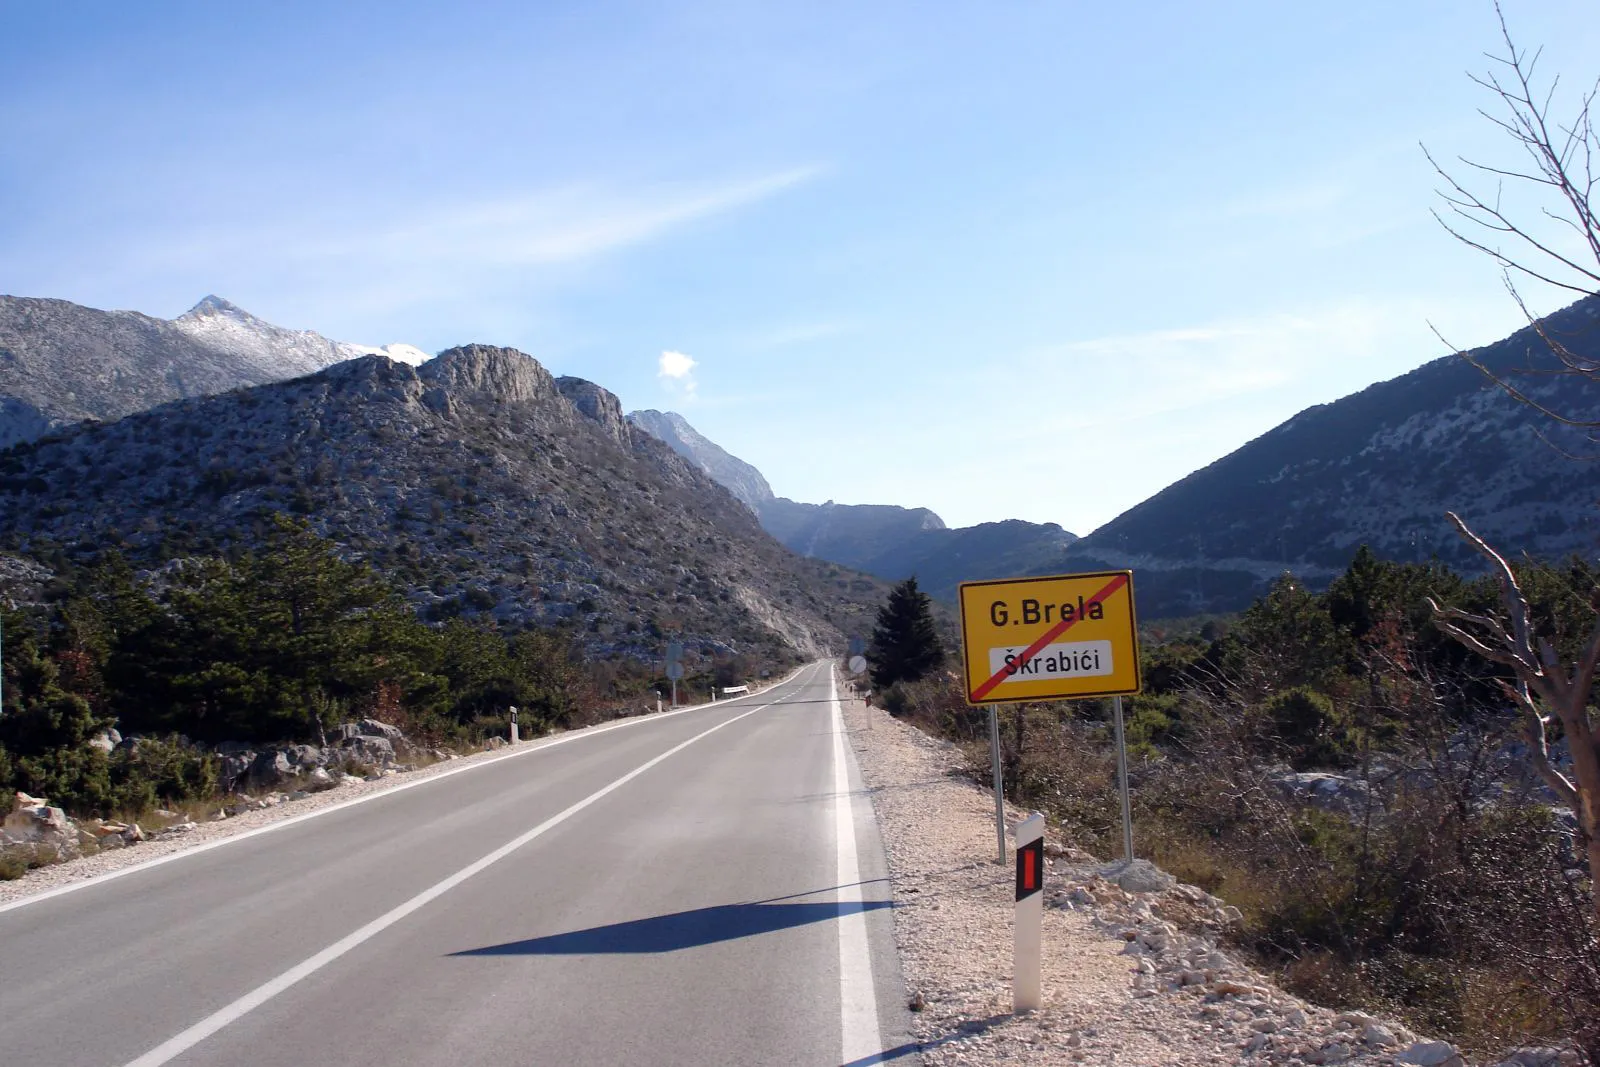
(674, 651)
(675, 670)
(857, 664)
(857, 646)
(1071, 635)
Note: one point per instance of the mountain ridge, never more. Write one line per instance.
(62, 363)
(1378, 467)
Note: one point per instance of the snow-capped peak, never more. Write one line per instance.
(215, 305)
(400, 353)
(224, 325)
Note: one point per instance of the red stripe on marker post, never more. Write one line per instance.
(1030, 867)
(1049, 635)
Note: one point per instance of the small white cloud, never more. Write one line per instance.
(676, 364)
(677, 372)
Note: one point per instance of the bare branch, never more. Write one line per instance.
(1510, 590)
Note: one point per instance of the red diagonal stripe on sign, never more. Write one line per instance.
(1049, 635)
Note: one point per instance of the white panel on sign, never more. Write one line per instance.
(1069, 659)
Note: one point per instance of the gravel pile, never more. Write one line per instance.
(1133, 972)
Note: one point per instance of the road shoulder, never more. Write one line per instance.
(1122, 984)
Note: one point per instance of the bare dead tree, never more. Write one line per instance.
(1561, 161)
(1545, 690)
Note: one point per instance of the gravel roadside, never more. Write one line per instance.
(1130, 978)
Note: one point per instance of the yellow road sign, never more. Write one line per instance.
(1072, 635)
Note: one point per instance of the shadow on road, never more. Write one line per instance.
(684, 929)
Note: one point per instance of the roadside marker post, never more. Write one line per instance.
(1026, 980)
(514, 732)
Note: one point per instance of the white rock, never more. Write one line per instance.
(1377, 1034)
(1140, 876)
(1429, 1054)
(319, 780)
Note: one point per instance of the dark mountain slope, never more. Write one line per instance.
(942, 559)
(472, 479)
(1380, 467)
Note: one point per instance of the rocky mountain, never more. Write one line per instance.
(482, 484)
(1379, 467)
(61, 363)
(886, 540)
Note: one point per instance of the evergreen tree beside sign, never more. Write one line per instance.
(905, 644)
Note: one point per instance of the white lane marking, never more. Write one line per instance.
(575, 735)
(858, 996)
(203, 1029)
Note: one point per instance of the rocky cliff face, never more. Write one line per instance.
(473, 480)
(733, 473)
(599, 405)
(1380, 467)
(61, 363)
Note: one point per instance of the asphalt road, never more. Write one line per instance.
(705, 887)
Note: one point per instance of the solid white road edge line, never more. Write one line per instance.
(574, 735)
(858, 997)
(203, 1029)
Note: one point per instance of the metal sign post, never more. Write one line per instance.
(1026, 981)
(999, 787)
(675, 667)
(1122, 783)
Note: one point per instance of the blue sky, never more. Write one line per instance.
(1010, 260)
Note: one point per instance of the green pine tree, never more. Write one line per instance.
(905, 644)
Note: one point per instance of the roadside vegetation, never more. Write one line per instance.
(270, 647)
(1352, 779)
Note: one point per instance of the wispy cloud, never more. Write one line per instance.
(393, 254)
(562, 225)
